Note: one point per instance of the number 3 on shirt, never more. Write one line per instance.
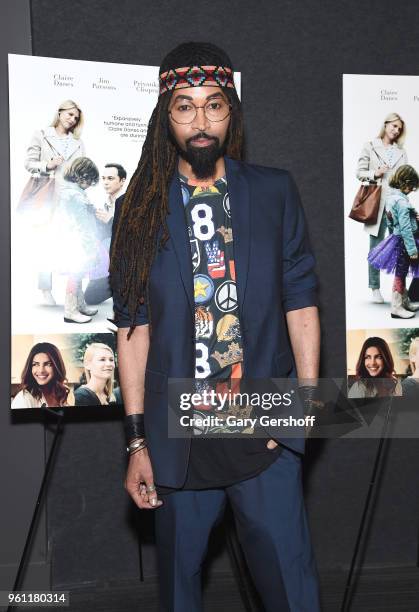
(203, 227)
(202, 368)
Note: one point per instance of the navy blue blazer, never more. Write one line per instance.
(274, 274)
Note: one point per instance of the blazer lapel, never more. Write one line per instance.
(176, 223)
(72, 149)
(397, 157)
(239, 197)
(381, 151)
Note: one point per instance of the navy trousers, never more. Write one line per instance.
(272, 528)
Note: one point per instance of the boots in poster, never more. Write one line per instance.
(397, 309)
(408, 304)
(377, 298)
(71, 312)
(81, 303)
(47, 298)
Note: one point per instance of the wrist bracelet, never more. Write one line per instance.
(308, 395)
(136, 445)
(134, 426)
(142, 447)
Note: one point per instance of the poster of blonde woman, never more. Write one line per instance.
(381, 202)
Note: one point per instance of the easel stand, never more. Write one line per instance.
(376, 473)
(59, 416)
(58, 419)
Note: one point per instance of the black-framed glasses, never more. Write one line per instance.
(184, 111)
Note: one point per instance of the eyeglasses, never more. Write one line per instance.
(184, 111)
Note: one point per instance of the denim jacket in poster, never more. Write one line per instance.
(403, 222)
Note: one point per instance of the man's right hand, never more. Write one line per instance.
(139, 481)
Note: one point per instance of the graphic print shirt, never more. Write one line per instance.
(219, 350)
(218, 338)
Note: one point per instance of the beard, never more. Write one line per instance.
(203, 160)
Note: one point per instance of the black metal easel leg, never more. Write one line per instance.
(363, 523)
(47, 472)
(140, 547)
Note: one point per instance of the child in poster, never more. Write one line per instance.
(398, 253)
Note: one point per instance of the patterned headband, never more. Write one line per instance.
(195, 76)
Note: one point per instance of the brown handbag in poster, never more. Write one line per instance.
(37, 202)
(367, 200)
(366, 204)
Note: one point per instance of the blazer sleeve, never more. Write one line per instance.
(33, 161)
(122, 317)
(363, 171)
(299, 283)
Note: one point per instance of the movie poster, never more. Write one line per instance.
(381, 156)
(76, 132)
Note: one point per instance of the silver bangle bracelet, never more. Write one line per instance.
(137, 444)
(140, 448)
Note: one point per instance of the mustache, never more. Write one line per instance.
(201, 135)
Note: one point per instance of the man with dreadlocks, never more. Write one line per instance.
(213, 279)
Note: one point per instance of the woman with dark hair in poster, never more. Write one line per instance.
(99, 369)
(398, 253)
(76, 241)
(379, 158)
(375, 375)
(49, 153)
(410, 385)
(44, 382)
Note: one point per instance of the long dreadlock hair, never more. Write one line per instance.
(145, 206)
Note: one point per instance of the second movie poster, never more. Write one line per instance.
(381, 167)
